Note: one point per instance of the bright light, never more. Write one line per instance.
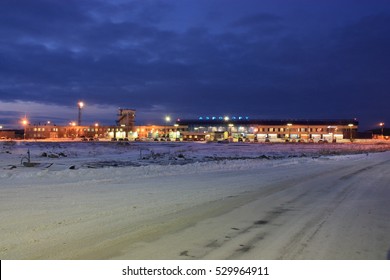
(382, 124)
(167, 118)
(48, 122)
(350, 125)
(24, 122)
(81, 104)
(1, 127)
(96, 124)
(289, 124)
(72, 123)
(226, 118)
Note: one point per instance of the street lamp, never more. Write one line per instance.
(24, 123)
(382, 124)
(80, 106)
(350, 131)
(167, 120)
(288, 130)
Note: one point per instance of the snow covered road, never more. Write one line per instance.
(328, 207)
(338, 211)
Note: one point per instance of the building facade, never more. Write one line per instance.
(203, 129)
(244, 129)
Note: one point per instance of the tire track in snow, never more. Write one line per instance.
(260, 232)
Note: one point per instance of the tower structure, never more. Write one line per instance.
(126, 120)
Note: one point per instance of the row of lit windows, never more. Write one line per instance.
(282, 129)
(43, 129)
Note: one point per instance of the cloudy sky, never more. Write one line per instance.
(271, 59)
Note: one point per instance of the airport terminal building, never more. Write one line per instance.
(233, 129)
(245, 129)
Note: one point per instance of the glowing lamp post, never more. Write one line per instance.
(24, 123)
(80, 106)
(167, 120)
(382, 124)
(350, 131)
(288, 130)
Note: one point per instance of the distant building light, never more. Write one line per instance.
(201, 118)
(226, 118)
(213, 118)
(240, 118)
(207, 118)
(220, 118)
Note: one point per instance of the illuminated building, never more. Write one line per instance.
(245, 129)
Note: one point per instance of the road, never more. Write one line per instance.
(325, 208)
(338, 211)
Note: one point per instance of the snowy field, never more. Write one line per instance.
(111, 200)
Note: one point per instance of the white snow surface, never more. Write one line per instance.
(103, 200)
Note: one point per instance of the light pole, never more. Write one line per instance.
(382, 124)
(289, 131)
(80, 106)
(167, 120)
(24, 123)
(350, 131)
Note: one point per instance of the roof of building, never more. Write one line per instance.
(247, 121)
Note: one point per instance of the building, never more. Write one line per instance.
(8, 134)
(126, 119)
(234, 129)
(124, 128)
(245, 129)
(380, 133)
(160, 132)
(72, 131)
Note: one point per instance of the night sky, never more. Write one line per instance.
(270, 59)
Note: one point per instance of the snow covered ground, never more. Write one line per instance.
(109, 200)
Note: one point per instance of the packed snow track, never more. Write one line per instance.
(325, 207)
